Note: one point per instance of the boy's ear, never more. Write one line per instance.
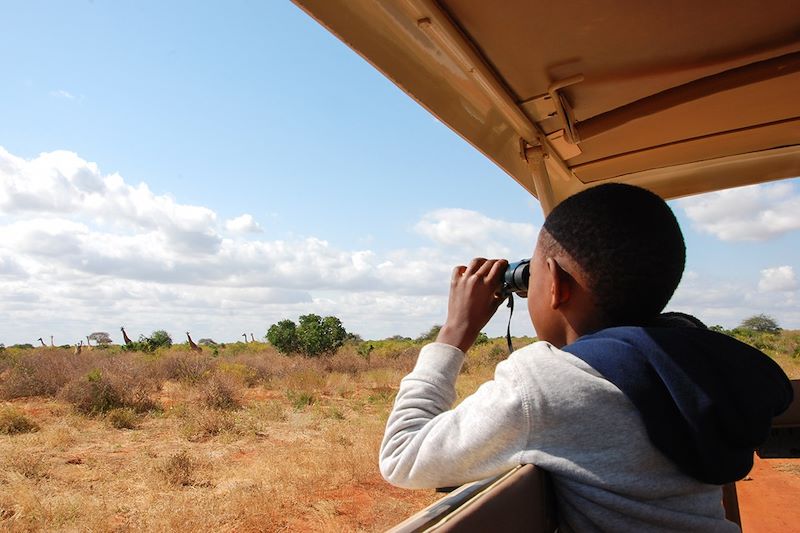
(560, 284)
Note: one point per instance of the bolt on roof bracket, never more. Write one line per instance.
(563, 107)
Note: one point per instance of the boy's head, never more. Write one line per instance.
(610, 255)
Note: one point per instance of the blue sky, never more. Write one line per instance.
(218, 167)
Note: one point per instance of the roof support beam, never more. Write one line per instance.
(724, 81)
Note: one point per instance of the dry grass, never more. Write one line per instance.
(791, 468)
(245, 441)
(13, 422)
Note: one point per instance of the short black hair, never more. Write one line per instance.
(629, 245)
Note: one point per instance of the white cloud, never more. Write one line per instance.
(729, 302)
(243, 224)
(84, 251)
(61, 93)
(474, 232)
(753, 213)
(778, 279)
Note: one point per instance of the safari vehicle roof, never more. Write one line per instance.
(680, 97)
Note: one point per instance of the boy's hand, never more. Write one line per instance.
(474, 298)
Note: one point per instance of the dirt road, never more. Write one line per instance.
(769, 501)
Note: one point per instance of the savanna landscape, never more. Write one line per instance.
(236, 437)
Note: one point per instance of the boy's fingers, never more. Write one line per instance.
(457, 273)
(486, 267)
(475, 265)
(498, 266)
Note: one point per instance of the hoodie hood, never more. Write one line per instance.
(706, 399)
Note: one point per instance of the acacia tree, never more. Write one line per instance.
(100, 337)
(430, 335)
(763, 323)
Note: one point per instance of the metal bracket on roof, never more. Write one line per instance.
(563, 107)
(541, 108)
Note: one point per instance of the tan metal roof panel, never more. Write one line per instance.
(564, 95)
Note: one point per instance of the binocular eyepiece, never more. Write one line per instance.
(515, 279)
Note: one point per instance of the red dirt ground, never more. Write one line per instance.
(769, 502)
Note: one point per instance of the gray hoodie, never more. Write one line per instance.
(547, 407)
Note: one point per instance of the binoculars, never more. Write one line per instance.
(515, 279)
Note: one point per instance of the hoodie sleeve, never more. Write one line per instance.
(427, 444)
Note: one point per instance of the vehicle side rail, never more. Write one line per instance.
(784, 437)
(519, 500)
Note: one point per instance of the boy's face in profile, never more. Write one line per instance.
(546, 320)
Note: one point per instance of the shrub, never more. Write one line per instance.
(157, 339)
(270, 411)
(185, 367)
(115, 383)
(122, 418)
(262, 366)
(13, 422)
(313, 336)
(178, 470)
(345, 361)
(220, 392)
(244, 373)
(41, 373)
(27, 464)
(160, 339)
(483, 338)
(430, 335)
(93, 394)
(202, 424)
(319, 335)
(300, 399)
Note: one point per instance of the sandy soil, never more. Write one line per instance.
(769, 501)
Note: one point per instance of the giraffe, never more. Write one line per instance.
(252, 338)
(245, 337)
(88, 344)
(51, 342)
(127, 340)
(40, 340)
(78, 348)
(192, 346)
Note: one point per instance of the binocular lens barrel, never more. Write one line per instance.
(515, 279)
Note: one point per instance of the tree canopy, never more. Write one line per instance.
(313, 336)
(100, 337)
(763, 323)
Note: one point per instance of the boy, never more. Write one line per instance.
(638, 420)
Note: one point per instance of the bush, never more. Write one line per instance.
(93, 394)
(430, 335)
(220, 392)
(41, 373)
(300, 399)
(115, 384)
(283, 336)
(178, 470)
(201, 424)
(122, 418)
(313, 336)
(157, 339)
(319, 335)
(13, 422)
(160, 339)
(185, 367)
